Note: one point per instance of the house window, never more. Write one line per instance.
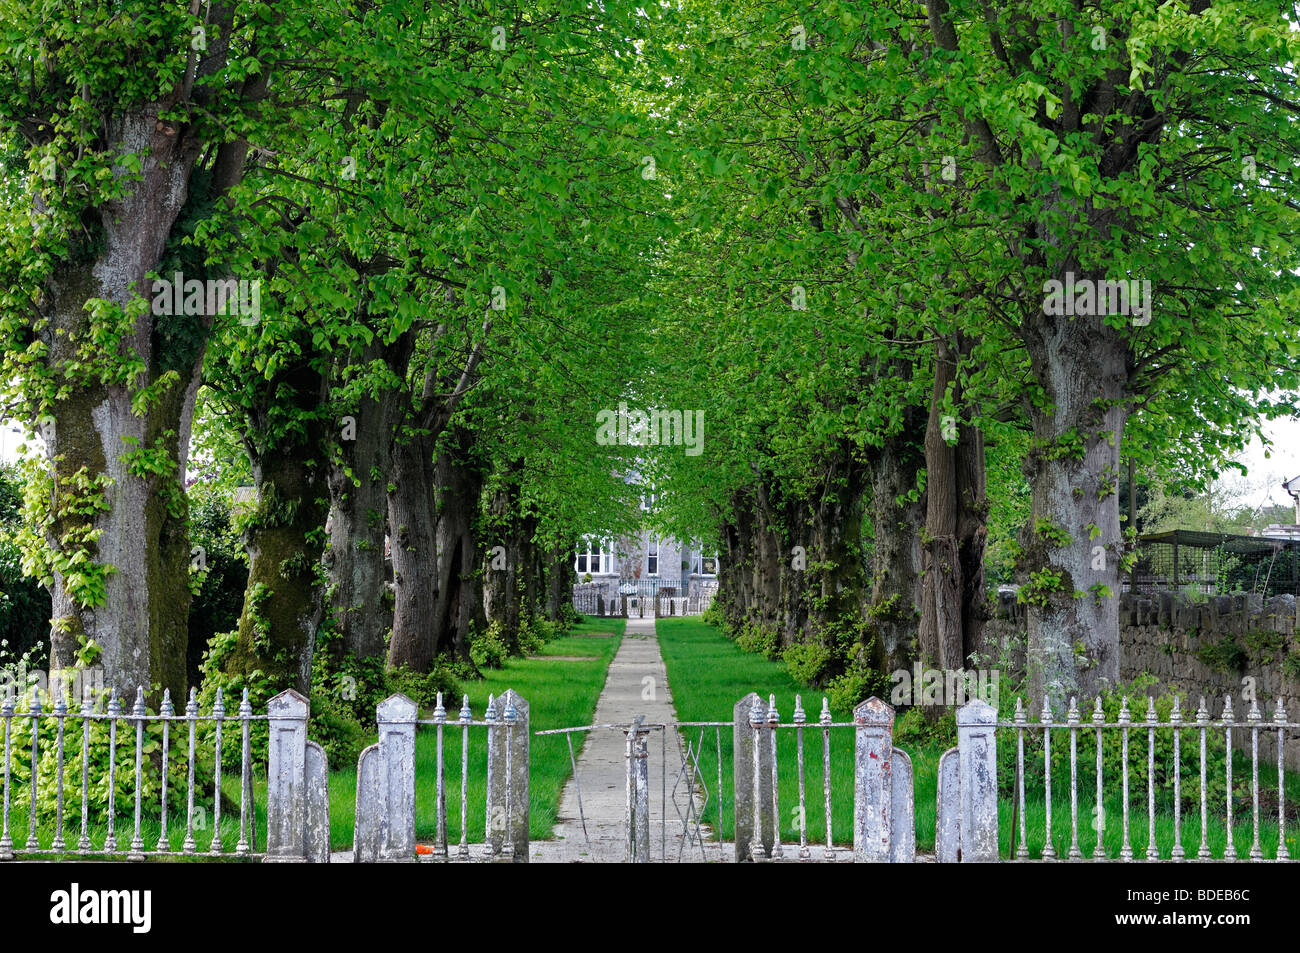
(705, 564)
(591, 559)
(652, 557)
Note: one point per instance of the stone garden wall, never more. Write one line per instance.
(1222, 645)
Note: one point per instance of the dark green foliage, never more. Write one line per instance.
(1224, 655)
(218, 585)
(24, 602)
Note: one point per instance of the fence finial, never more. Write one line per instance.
(219, 707)
(138, 710)
(245, 707)
(1045, 716)
(35, 707)
(491, 716)
(1072, 715)
(1279, 715)
(439, 713)
(1226, 717)
(61, 700)
(826, 711)
(8, 707)
(466, 715)
(1253, 714)
(1151, 709)
(1176, 715)
(1123, 711)
(167, 709)
(799, 716)
(510, 707)
(1020, 710)
(756, 712)
(192, 706)
(772, 717)
(114, 706)
(1098, 716)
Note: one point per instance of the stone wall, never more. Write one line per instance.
(1223, 645)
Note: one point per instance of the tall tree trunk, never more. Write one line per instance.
(896, 551)
(358, 591)
(139, 526)
(504, 595)
(1073, 541)
(939, 636)
(282, 607)
(413, 522)
(972, 537)
(460, 582)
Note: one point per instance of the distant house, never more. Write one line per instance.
(646, 562)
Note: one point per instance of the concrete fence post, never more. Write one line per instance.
(508, 768)
(385, 812)
(977, 782)
(947, 827)
(755, 824)
(638, 793)
(873, 787)
(884, 823)
(297, 792)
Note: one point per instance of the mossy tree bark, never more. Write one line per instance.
(116, 461)
(284, 534)
(358, 588)
(896, 515)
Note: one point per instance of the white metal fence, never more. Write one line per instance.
(163, 776)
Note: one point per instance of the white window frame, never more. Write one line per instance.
(697, 563)
(594, 558)
(652, 556)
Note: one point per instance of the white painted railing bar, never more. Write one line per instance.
(36, 717)
(1175, 724)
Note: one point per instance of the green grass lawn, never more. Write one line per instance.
(560, 693)
(709, 674)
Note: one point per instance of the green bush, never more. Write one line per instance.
(423, 688)
(808, 663)
(488, 649)
(218, 580)
(759, 639)
(913, 728)
(568, 617)
(713, 614)
(24, 603)
(336, 728)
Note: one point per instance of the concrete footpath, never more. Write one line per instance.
(637, 684)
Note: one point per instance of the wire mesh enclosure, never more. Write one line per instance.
(1216, 564)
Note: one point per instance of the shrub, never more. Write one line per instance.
(338, 730)
(488, 650)
(1225, 655)
(24, 603)
(913, 728)
(713, 614)
(859, 682)
(759, 639)
(423, 687)
(808, 663)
